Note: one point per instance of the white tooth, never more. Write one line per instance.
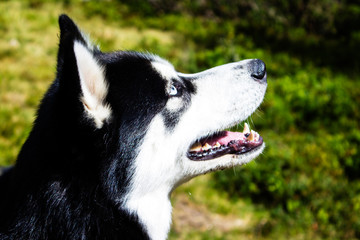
(256, 136)
(217, 144)
(196, 147)
(251, 137)
(206, 147)
(246, 128)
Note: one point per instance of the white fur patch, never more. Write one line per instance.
(149, 196)
(164, 68)
(174, 104)
(93, 85)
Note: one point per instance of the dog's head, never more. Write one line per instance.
(159, 127)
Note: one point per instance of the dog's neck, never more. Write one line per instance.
(154, 212)
(156, 173)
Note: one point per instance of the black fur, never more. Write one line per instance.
(70, 177)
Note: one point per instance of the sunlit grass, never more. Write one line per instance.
(213, 215)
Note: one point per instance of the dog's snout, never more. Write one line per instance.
(258, 69)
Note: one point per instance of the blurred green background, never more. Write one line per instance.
(306, 184)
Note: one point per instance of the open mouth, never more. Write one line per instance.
(223, 143)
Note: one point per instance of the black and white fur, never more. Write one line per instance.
(110, 142)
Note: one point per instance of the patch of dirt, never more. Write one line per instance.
(187, 214)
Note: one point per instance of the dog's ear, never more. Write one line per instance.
(79, 68)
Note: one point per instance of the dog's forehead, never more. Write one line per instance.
(164, 68)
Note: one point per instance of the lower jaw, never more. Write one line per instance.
(233, 148)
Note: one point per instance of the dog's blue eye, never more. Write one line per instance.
(173, 91)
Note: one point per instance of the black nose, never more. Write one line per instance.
(258, 69)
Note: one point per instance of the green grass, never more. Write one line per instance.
(27, 63)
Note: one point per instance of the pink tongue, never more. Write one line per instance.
(226, 138)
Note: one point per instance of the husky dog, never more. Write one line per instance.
(115, 134)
